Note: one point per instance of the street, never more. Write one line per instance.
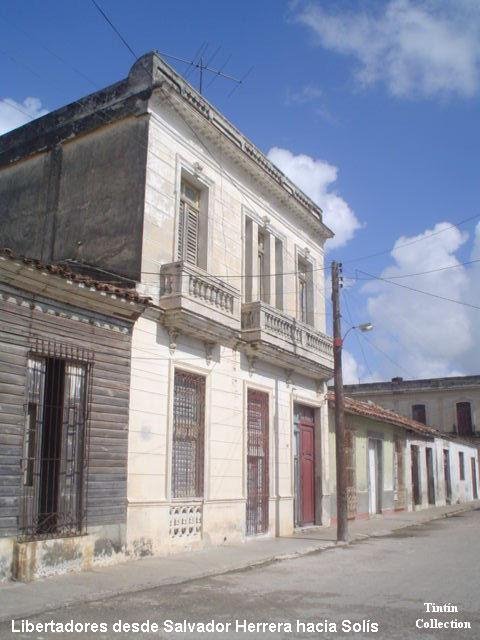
(379, 581)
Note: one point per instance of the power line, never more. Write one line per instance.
(13, 106)
(407, 244)
(240, 276)
(422, 273)
(102, 12)
(344, 295)
(427, 293)
(372, 344)
(48, 50)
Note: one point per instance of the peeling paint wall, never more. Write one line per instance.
(53, 204)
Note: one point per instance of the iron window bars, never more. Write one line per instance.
(55, 453)
(188, 435)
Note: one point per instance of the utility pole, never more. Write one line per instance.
(342, 510)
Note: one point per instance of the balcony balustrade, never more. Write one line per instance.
(197, 303)
(275, 336)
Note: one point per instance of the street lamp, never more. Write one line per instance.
(340, 451)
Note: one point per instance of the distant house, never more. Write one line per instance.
(451, 404)
(65, 346)
(395, 463)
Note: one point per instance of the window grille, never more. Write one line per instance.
(188, 225)
(188, 435)
(55, 442)
(352, 499)
(257, 462)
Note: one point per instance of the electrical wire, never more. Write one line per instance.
(372, 344)
(422, 273)
(240, 276)
(426, 293)
(365, 257)
(107, 19)
(347, 307)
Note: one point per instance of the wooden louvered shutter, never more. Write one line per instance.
(188, 224)
(191, 235)
(181, 230)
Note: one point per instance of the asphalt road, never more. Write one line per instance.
(382, 581)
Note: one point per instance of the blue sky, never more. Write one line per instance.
(373, 106)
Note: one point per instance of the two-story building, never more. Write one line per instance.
(149, 185)
(450, 404)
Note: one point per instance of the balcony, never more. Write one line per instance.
(198, 304)
(279, 338)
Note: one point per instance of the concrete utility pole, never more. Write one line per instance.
(342, 509)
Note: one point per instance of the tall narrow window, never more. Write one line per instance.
(303, 291)
(53, 461)
(419, 413)
(188, 435)
(461, 463)
(464, 419)
(278, 273)
(262, 267)
(188, 224)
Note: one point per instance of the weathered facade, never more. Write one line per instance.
(452, 404)
(228, 423)
(395, 463)
(65, 346)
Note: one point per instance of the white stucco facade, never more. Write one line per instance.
(166, 339)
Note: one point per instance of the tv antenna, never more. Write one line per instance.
(202, 64)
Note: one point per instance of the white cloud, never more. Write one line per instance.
(308, 93)
(421, 48)
(13, 114)
(350, 369)
(428, 337)
(316, 177)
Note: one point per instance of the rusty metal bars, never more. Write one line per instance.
(53, 496)
(188, 435)
(257, 463)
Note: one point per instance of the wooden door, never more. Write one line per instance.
(372, 476)
(304, 430)
(307, 472)
(430, 476)
(257, 463)
(416, 494)
(446, 472)
(474, 479)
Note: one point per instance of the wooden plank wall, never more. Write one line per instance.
(107, 468)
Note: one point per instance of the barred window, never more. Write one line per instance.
(188, 435)
(54, 443)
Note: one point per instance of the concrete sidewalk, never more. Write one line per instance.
(19, 600)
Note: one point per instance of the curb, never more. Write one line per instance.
(245, 566)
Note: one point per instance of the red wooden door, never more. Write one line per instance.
(307, 472)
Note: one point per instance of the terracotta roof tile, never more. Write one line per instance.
(376, 412)
(64, 272)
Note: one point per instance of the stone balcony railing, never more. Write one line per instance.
(195, 302)
(280, 338)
